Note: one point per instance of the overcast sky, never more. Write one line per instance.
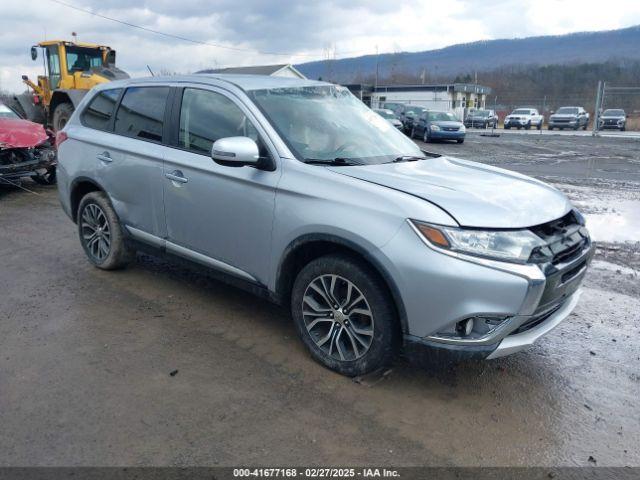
(301, 30)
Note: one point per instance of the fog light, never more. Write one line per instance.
(464, 327)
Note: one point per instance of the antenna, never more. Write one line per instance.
(150, 71)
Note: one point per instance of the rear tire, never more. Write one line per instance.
(61, 116)
(363, 339)
(101, 234)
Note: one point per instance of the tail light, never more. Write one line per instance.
(61, 136)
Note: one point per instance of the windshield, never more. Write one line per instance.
(568, 110)
(521, 111)
(327, 122)
(80, 59)
(6, 112)
(442, 117)
(385, 114)
(480, 113)
(613, 113)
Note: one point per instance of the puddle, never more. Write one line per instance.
(613, 221)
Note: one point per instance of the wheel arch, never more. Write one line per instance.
(308, 247)
(79, 188)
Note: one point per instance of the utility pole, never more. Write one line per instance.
(596, 113)
(377, 66)
(544, 107)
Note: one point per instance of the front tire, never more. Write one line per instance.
(344, 315)
(413, 133)
(101, 234)
(425, 137)
(539, 127)
(460, 140)
(61, 116)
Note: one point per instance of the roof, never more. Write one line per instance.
(244, 82)
(255, 69)
(68, 43)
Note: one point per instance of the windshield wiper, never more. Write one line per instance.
(408, 158)
(339, 161)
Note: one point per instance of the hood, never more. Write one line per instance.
(447, 123)
(18, 133)
(475, 195)
(564, 115)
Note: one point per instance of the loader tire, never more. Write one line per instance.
(61, 115)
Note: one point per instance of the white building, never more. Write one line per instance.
(458, 98)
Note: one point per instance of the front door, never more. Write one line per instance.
(216, 212)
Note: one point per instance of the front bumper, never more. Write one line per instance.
(446, 135)
(34, 161)
(440, 289)
(516, 123)
(562, 123)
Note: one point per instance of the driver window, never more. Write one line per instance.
(207, 116)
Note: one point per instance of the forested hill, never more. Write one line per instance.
(587, 47)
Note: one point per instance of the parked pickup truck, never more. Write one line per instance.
(524, 118)
(569, 117)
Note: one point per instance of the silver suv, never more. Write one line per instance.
(297, 191)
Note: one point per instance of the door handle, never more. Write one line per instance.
(104, 157)
(176, 176)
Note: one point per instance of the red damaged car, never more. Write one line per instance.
(26, 150)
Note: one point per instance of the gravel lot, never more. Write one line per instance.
(159, 365)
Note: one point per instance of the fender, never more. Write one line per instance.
(282, 280)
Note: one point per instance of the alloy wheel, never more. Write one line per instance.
(96, 232)
(338, 317)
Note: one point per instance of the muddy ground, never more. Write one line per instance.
(159, 365)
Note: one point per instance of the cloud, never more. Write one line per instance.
(303, 30)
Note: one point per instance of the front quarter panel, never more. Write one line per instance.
(312, 200)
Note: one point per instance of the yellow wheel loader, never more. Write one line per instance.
(70, 71)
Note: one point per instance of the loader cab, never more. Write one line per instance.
(71, 69)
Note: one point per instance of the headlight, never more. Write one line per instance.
(504, 245)
(462, 129)
(435, 128)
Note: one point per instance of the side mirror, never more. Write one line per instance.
(235, 152)
(34, 53)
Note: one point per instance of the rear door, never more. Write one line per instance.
(129, 165)
(218, 215)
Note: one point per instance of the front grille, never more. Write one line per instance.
(563, 258)
(564, 238)
(451, 129)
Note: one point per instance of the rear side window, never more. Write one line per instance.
(141, 113)
(207, 116)
(100, 110)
